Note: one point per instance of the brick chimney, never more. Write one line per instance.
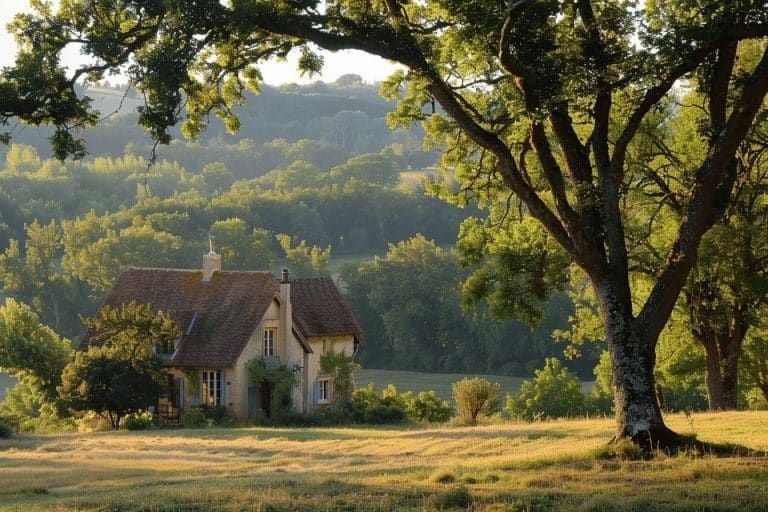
(211, 261)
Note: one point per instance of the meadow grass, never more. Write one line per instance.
(511, 466)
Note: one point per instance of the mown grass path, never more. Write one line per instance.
(512, 466)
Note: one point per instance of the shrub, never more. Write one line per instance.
(389, 406)
(193, 418)
(5, 430)
(215, 413)
(474, 397)
(427, 407)
(458, 497)
(555, 392)
(385, 414)
(91, 421)
(329, 415)
(139, 421)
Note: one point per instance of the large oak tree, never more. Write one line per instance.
(540, 99)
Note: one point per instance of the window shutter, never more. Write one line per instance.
(181, 392)
(222, 388)
(315, 392)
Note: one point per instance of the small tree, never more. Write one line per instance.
(119, 374)
(474, 397)
(100, 381)
(342, 367)
(555, 392)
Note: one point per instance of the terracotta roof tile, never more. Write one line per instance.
(319, 309)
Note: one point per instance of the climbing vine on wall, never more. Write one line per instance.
(281, 381)
(342, 367)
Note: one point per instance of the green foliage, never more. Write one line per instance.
(475, 397)
(35, 277)
(600, 397)
(458, 497)
(193, 418)
(427, 407)
(5, 429)
(305, 261)
(30, 349)
(27, 408)
(342, 367)
(241, 250)
(100, 380)
(139, 421)
(132, 331)
(281, 380)
(387, 406)
(193, 378)
(119, 373)
(409, 305)
(520, 266)
(555, 392)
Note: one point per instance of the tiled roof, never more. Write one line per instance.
(219, 316)
(228, 308)
(319, 309)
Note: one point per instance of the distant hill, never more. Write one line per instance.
(347, 115)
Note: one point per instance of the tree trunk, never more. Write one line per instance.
(721, 360)
(638, 416)
(713, 378)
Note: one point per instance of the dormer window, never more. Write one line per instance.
(166, 348)
(269, 342)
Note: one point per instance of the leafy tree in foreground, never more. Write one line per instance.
(119, 373)
(541, 100)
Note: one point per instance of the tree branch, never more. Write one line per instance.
(699, 217)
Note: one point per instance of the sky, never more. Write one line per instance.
(372, 69)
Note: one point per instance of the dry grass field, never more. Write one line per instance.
(512, 466)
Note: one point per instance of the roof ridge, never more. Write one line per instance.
(269, 272)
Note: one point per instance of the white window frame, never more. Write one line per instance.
(212, 392)
(268, 341)
(323, 391)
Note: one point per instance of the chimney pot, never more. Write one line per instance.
(285, 275)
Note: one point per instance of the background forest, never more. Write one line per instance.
(314, 180)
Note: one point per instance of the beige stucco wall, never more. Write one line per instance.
(320, 345)
(241, 378)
